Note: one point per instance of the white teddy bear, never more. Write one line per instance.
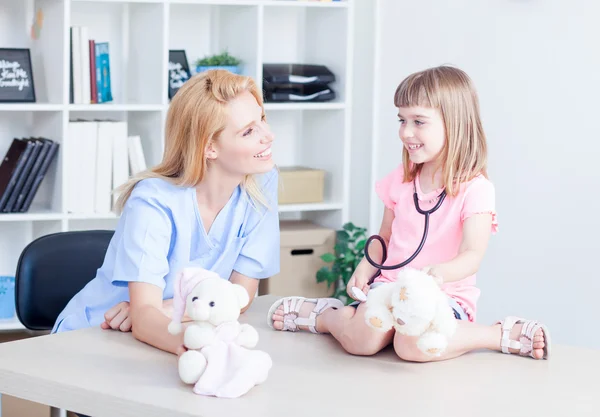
(219, 360)
(415, 306)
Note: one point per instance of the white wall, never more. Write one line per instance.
(536, 65)
(360, 181)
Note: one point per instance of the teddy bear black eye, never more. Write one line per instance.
(212, 304)
(194, 299)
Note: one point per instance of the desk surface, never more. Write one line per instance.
(107, 373)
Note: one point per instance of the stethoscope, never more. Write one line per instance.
(358, 293)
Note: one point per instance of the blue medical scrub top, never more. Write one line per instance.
(160, 232)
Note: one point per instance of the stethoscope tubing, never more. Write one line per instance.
(381, 267)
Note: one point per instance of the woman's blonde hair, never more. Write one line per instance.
(197, 115)
(451, 91)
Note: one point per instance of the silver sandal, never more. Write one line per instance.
(525, 341)
(291, 310)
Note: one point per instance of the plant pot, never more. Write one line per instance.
(231, 68)
(7, 297)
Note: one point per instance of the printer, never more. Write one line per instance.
(297, 83)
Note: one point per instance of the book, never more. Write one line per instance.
(12, 166)
(46, 144)
(46, 161)
(22, 178)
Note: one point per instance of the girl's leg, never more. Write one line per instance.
(347, 325)
(469, 336)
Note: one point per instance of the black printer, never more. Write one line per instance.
(297, 83)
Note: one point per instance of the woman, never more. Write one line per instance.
(211, 202)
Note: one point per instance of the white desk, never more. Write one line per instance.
(107, 373)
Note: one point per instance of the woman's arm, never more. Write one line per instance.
(149, 323)
(118, 317)
(476, 235)
(250, 284)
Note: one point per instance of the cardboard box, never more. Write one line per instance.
(301, 185)
(302, 244)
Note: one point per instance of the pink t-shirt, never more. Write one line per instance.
(445, 228)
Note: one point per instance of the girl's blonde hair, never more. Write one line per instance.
(451, 91)
(197, 115)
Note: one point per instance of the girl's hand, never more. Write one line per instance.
(117, 318)
(359, 280)
(431, 271)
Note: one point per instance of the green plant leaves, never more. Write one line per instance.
(328, 257)
(360, 245)
(222, 59)
(326, 275)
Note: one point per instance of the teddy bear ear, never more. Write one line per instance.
(190, 271)
(242, 295)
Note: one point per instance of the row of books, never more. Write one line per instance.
(90, 68)
(101, 156)
(22, 170)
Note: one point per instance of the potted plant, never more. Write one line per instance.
(349, 251)
(220, 61)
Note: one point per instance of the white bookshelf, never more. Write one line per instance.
(140, 33)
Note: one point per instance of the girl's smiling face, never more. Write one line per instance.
(422, 133)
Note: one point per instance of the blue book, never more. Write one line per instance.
(103, 72)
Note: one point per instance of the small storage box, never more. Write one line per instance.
(302, 244)
(301, 185)
(7, 297)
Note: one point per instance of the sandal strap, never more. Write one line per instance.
(321, 305)
(525, 342)
(291, 312)
(506, 342)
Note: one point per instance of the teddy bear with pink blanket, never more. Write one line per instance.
(220, 360)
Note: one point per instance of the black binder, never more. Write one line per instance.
(297, 74)
(296, 93)
(12, 166)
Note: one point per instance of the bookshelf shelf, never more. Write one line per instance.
(31, 216)
(30, 107)
(91, 216)
(326, 206)
(268, 3)
(118, 1)
(139, 34)
(115, 107)
(304, 106)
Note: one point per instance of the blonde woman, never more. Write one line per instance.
(211, 202)
(444, 150)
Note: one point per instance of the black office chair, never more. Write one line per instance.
(52, 269)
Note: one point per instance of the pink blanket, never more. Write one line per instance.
(231, 370)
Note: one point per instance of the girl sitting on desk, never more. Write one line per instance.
(211, 202)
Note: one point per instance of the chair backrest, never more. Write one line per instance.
(52, 269)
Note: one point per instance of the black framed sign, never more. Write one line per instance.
(179, 70)
(16, 76)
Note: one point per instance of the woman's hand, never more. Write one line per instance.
(118, 318)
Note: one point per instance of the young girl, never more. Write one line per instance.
(211, 202)
(444, 149)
